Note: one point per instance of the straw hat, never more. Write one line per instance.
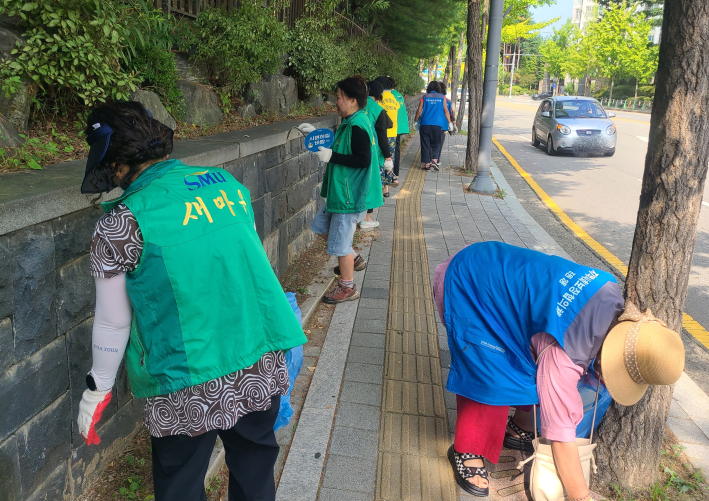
(638, 352)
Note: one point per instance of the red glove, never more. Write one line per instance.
(92, 405)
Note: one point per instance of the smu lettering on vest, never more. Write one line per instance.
(497, 297)
(203, 178)
(206, 302)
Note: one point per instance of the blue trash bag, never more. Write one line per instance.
(294, 362)
(587, 388)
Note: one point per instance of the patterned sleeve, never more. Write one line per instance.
(117, 243)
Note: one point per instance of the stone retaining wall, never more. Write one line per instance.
(47, 299)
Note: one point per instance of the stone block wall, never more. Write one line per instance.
(47, 299)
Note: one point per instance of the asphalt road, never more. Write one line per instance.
(601, 194)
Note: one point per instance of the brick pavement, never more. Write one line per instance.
(393, 419)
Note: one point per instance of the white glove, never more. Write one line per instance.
(305, 128)
(388, 164)
(91, 407)
(451, 126)
(324, 154)
(454, 131)
(416, 126)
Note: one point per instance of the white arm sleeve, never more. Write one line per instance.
(111, 329)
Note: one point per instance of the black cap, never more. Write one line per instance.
(98, 144)
(376, 89)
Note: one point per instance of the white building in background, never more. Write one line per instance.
(584, 12)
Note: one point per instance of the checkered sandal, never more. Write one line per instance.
(521, 443)
(462, 473)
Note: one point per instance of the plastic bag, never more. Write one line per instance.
(587, 388)
(294, 362)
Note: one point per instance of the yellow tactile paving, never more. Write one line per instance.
(413, 437)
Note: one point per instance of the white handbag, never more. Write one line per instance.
(544, 481)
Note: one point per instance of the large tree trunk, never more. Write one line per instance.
(473, 67)
(483, 25)
(430, 69)
(630, 438)
(455, 80)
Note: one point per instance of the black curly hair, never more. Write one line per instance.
(137, 138)
(355, 87)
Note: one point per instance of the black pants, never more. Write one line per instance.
(437, 154)
(430, 138)
(180, 462)
(397, 157)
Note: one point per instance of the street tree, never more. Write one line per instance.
(474, 76)
(557, 50)
(630, 438)
(615, 39)
(643, 64)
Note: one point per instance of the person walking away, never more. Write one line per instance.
(523, 327)
(203, 338)
(380, 122)
(402, 123)
(433, 113)
(346, 184)
(451, 111)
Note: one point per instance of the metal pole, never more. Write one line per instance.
(512, 77)
(483, 183)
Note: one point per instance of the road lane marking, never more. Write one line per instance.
(691, 325)
(705, 204)
(644, 139)
(523, 137)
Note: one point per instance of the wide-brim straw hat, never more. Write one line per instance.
(638, 352)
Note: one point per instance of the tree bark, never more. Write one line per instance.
(483, 26)
(430, 69)
(473, 67)
(435, 68)
(449, 65)
(610, 95)
(630, 438)
(455, 79)
(637, 81)
(463, 92)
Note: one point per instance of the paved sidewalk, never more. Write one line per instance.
(377, 421)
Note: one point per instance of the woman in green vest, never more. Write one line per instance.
(380, 122)
(346, 185)
(184, 288)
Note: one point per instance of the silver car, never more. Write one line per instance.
(574, 124)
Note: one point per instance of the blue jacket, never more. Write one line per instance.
(497, 297)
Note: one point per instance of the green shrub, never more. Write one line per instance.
(156, 68)
(239, 46)
(317, 57)
(77, 50)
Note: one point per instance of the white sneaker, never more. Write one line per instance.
(368, 225)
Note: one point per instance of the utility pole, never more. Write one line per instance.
(483, 183)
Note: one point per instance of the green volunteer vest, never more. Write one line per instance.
(206, 302)
(402, 123)
(346, 188)
(373, 110)
(375, 198)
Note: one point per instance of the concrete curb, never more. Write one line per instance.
(216, 461)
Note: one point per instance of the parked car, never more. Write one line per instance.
(574, 124)
(542, 95)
